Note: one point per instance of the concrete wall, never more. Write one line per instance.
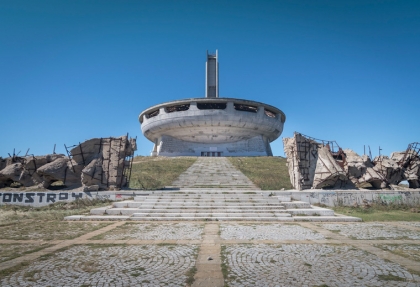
(213, 127)
(41, 198)
(256, 146)
(351, 197)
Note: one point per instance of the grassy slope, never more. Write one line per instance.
(268, 173)
(158, 172)
(377, 213)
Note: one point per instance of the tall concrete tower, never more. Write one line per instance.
(212, 76)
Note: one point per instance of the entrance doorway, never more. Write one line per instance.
(211, 153)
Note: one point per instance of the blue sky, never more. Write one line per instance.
(340, 70)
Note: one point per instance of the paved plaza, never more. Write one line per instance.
(219, 254)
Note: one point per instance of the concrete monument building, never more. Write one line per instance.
(212, 126)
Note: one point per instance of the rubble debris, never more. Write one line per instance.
(389, 169)
(59, 170)
(24, 169)
(104, 161)
(409, 161)
(320, 164)
(311, 164)
(360, 170)
(96, 164)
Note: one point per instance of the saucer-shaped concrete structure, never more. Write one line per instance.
(212, 126)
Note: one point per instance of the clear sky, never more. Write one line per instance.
(340, 70)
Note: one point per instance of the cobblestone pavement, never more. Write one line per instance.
(411, 251)
(135, 265)
(268, 232)
(155, 231)
(372, 231)
(415, 224)
(310, 265)
(220, 254)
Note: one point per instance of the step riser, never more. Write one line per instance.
(182, 215)
(282, 219)
(201, 206)
(126, 211)
(311, 212)
(206, 198)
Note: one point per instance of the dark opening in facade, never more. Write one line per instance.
(152, 114)
(245, 108)
(269, 113)
(211, 106)
(178, 108)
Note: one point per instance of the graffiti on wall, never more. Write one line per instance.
(39, 197)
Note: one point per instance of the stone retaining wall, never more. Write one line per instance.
(352, 197)
(42, 198)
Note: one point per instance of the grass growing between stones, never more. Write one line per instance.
(157, 172)
(11, 251)
(410, 251)
(268, 173)
(379, 213)
(46, 223)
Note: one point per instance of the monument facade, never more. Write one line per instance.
(212, 126)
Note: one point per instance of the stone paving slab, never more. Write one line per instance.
(268, 232)
(310, 265)
(253, 254)
(133, 265)
(372, 231)
(160, 231)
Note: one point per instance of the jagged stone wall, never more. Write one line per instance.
(96, 164)
(313, 165)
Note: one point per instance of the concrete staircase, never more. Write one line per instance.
(212, 205)
(213, 190)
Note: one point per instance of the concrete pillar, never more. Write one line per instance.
(229, 107)
(193, 106)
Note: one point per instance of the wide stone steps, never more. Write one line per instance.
(206, 215)
(128, 211)
(215, 206)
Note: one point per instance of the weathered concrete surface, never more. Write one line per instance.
(41, 198)
(353, 197)
(311, 164)
(104, 161)
(235, 127)
(96, 163)
(59, 170)
(389, 169)
(410, 161)
(360, 170)
(24, 170)
(314, 165)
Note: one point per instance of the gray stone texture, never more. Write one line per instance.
(96, 164)
(313, 165)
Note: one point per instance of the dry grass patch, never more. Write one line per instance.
(157, 172)
(267, 172)
(46, 223)
(379, 213)
(11, 251)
